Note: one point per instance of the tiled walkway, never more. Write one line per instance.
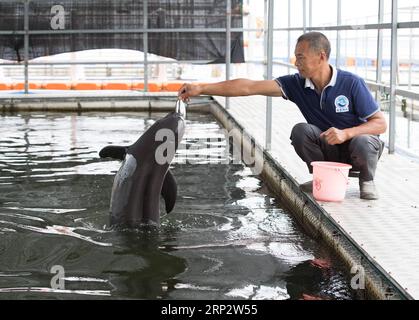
(387, 229)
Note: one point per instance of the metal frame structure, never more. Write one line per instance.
(145, 43)
(228, 46)
(269, 59)
(394, 26)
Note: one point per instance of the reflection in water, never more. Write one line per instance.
(226, 237)
(150, 279)
(259, 293)
(306, 281)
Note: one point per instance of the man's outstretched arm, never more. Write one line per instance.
(231, 88)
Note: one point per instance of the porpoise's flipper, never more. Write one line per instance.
(169, 191)
(115, 152)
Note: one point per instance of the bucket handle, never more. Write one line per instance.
(344, 176)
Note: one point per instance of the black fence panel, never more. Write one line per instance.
(55, 16)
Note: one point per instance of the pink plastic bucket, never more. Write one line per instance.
(330, 180)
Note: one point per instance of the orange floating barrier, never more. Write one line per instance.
(350, 62)
(172, 86)
(152, 86)
(5, 86)
(56, 86)
(116, 86)
(86, 86)
(21, 86)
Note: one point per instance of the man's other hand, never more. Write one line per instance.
(335, 136)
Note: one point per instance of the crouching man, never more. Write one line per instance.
(343, 120)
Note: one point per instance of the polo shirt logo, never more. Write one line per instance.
(342, 104)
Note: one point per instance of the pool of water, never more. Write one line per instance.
(227, 237)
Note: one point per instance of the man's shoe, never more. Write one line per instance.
(367, 190)
(307, 186)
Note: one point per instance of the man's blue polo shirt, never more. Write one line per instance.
(344, 103)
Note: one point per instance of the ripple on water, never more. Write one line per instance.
(55, 230)
(262, 292)
(195, 222)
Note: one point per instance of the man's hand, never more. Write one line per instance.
(335, 136)
(189, 90)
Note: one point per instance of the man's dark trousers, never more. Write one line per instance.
(362, 152)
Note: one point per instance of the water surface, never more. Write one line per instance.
(227, 237)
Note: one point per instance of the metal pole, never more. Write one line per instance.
(269, 74)
(228, 46)
(265, 37)
(393, 77)
(366, 53)
(409, 81)
(380, 42)
(145, 43)
(289, 34)
(251, 38)
(26, 44)
(339, 22)
(304, 16)
(411, 46)
(310, 13)
(356, 48)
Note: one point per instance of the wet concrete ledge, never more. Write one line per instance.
(310, 215)
(103, 101)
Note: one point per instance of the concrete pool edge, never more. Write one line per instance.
(96, 101)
